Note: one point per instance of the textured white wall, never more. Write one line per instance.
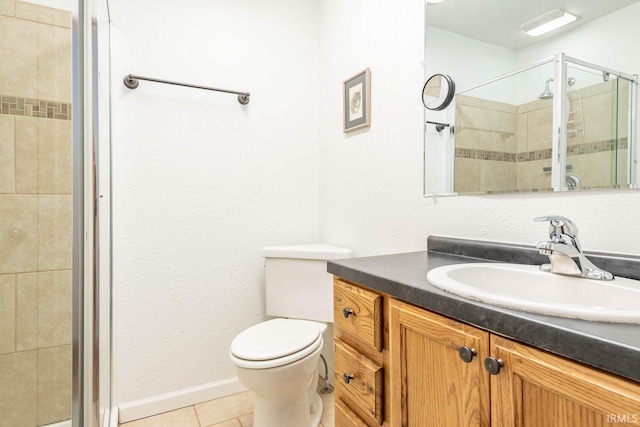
(201, 183)
(371, 180)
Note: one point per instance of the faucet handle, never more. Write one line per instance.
(559, 225)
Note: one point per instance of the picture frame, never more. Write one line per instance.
(356, 101)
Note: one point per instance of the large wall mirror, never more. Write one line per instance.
(553, 112)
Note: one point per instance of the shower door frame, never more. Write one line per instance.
(89, 388)
(560, 107)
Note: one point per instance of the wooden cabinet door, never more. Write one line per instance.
(535, 388)
(345, 417)
(430, 384)
(364, 381)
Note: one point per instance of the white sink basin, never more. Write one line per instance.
(525, 287)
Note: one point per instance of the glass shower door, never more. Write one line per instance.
(54, 297)
(599, 127)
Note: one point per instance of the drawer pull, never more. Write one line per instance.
(346, 312)
(493, 365)
(347, 377)
(466, 353)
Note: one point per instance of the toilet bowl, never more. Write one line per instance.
(278, 361)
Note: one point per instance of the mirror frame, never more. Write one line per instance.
(442, 101)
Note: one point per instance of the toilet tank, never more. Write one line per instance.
(297, 283)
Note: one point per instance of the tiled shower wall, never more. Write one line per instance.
(35, 214)
(503, 147)
(486, 145)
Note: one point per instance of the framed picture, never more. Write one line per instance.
(357, 101)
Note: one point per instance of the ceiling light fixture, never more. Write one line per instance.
(434, 1)
(549, 21)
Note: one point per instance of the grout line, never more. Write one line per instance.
(15, 153)
(15, 313)
(197, 417)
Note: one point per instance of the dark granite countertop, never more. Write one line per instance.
(613, 347)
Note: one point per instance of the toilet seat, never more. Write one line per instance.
(275, 343)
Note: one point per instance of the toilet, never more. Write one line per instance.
(278, 359)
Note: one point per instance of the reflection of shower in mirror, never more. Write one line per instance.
(575, 121)
(573, 181)
(547, 93)
(511, 138)
(574, 117)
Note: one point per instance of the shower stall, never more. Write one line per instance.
(54, 301)
(515, 133)
(594, 125)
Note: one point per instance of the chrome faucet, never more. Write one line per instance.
(564, 252)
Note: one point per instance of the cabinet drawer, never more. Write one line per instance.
(358, 312)
(345, 417)
(359, 379)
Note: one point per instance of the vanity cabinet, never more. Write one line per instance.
(431, 370)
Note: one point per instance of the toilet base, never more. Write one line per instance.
(293, 414)
(268, 412)
(316, 411)
(285, 396)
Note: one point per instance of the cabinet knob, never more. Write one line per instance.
(466, 353)
(493, 365)
(346, 312)
(347, 377)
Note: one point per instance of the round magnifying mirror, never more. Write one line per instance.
(438, 92)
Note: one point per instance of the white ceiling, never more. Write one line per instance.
(498, 21)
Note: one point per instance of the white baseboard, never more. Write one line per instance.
(113, 417)
(178, 399)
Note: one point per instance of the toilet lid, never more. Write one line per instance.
(274, 339)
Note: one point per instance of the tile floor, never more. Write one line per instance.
(231, 411)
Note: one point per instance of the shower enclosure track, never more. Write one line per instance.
(131, 81)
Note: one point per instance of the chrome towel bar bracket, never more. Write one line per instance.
(441, 126)
(131, 81)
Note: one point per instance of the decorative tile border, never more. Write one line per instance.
(471, 153)
(603, 187)
(31, 107)
(544, 154)
(597, 147)
(527, 190)
(530, 156)
(549, 189)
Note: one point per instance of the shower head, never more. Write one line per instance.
(547, 93)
